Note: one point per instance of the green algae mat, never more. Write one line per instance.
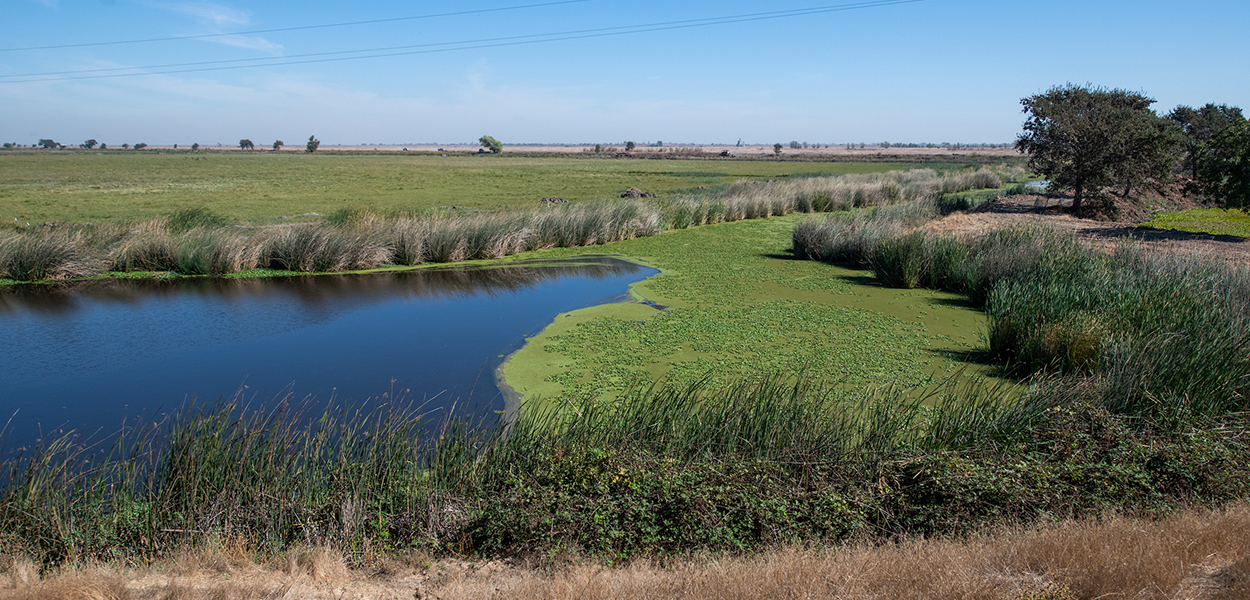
(731, 303)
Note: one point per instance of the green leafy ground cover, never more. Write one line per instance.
(1215, 221)
(259, 188)
(738, 306)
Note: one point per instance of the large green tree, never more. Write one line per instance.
(1224, 167)
(1200, 125)
(1084, 138)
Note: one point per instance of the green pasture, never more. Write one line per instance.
(1216, 221)
(739, 306)
(103, 187)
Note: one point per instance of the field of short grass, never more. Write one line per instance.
(1215, 221)
(109, 187)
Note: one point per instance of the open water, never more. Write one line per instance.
(85, 356)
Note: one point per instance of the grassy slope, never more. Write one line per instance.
(1205, 220)
(739, 305)
(111, 187)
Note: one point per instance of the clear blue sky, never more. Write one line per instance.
(926, 71)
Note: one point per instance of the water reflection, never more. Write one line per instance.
(84, 355)
(430, 283)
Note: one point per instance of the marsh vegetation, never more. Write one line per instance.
(1148, 331)
(665, 471)
(1125, 389)
(197, 241)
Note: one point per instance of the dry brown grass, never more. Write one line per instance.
(1196, 555)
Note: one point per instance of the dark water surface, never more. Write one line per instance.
(83, 356)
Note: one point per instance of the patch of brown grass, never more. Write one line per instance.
(1198, 554)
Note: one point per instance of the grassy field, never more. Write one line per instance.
(1215, 221)
(106, 187)
(200, 242)
(738, 305)
(776, 431)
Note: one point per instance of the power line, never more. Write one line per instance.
(301, 28)
(557, 36)
(460, 45)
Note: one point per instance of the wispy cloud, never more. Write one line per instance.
(251, 42)
(209, 13)
(219, 19)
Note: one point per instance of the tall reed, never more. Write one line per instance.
(312, 248)
(1154, 333)
(55, 254)
(357, 478)
(148, 246)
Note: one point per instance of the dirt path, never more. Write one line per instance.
(1052, 212)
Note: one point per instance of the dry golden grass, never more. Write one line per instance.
(1195, 555)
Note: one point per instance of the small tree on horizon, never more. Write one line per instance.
(777, 148)
(313, 144)
(629, 146)
(246, 144)
(277, 145)
(490, 143)
(89, 144)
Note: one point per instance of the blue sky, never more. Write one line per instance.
(923, 71)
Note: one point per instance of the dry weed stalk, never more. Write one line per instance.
(1198, 554)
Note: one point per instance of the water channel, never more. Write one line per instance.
(84, 356)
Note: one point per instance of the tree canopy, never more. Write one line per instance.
(1200, 126)
(492, 144)
(1224, 167)
(1085, 139)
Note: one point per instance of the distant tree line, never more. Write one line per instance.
(91, 144)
